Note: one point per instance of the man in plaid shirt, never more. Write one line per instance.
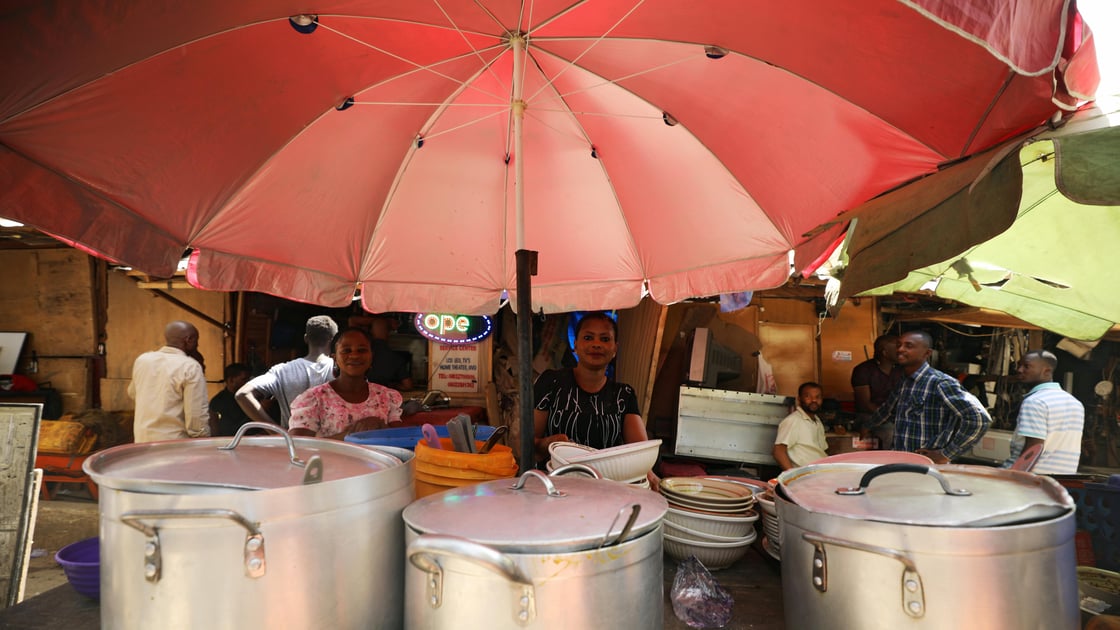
(932, 413)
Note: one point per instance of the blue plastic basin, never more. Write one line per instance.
(81, 561)
(407, 437)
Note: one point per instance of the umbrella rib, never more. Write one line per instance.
(987, 112)
(466, 124)
(759, 60)
(458, 30)
(615, 82)
(595, 42)
(418, 66)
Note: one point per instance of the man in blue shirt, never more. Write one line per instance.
(933, 414)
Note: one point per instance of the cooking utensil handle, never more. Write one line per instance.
(493, 439)
(634, 510)
(153, 563)
(543, 478)
(568, 468)
(267, 426)
(431, 438)
(887, 469)
(913, 593)
(424, 552)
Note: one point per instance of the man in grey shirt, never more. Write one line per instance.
(286, 381)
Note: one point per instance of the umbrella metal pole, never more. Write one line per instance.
(526, 269)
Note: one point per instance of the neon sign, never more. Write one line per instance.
(454, 329)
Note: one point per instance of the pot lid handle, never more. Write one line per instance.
(552, 489)
(887, 469)
(267, 426)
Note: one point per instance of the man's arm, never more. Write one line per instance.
(863, 398)
(781, 453)
(1021, 463)
(247, 397)
(215, 417)
(885, 411)
(196, 412)
(971, 419)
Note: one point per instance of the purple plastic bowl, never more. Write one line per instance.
(81, 561)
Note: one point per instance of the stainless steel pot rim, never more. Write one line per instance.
(942, 496)
(257, 463)
(591, 513)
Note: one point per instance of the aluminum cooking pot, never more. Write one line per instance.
(252, 532)
(538, 552)
(913, 546)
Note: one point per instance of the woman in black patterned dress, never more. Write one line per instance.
(581, 404)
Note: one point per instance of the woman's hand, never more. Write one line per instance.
(543, 443)
(369, 423)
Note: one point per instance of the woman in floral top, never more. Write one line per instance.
(349, 403)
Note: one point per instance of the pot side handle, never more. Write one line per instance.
(153, 563)
(424, 552)
(887, 469)
(913, 593)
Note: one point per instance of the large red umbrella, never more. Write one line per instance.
(674, 148)
(408, 148)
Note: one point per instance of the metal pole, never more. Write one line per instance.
(526, 265)
(526, 269)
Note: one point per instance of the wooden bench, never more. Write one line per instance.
(58, 468)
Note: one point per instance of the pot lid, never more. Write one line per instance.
(539, 514)
(254, 463)
(944, 496)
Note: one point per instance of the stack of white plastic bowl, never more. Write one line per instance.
(628, 463)
(771, 526)
(708, 518)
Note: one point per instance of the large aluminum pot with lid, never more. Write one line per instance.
(252, 532)
(535, 552)
(913, 546)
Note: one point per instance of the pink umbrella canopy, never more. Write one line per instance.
(406, 149)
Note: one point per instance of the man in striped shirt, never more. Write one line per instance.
(933, 414)
(1048, 416)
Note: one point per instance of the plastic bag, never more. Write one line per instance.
(698, 600)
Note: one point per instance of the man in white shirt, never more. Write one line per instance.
(286, 381)
(1048, 416)
(801, 437)
(170, 389)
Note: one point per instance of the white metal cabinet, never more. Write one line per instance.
(722, 424)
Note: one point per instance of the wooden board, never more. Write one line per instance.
(137, 319)
(846, 341)
(790, 349)
(19, 436)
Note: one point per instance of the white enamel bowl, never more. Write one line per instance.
(717, 525)
(714, 555)
(628, 462)
(680, 531)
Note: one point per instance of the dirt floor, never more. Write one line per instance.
(69, 517)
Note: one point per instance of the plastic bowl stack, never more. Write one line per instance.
(81, 562)
(708, 518)
(628, 463)
(771, 526)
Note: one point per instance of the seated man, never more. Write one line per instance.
(801, 438)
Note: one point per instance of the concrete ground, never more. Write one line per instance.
(69, 517)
